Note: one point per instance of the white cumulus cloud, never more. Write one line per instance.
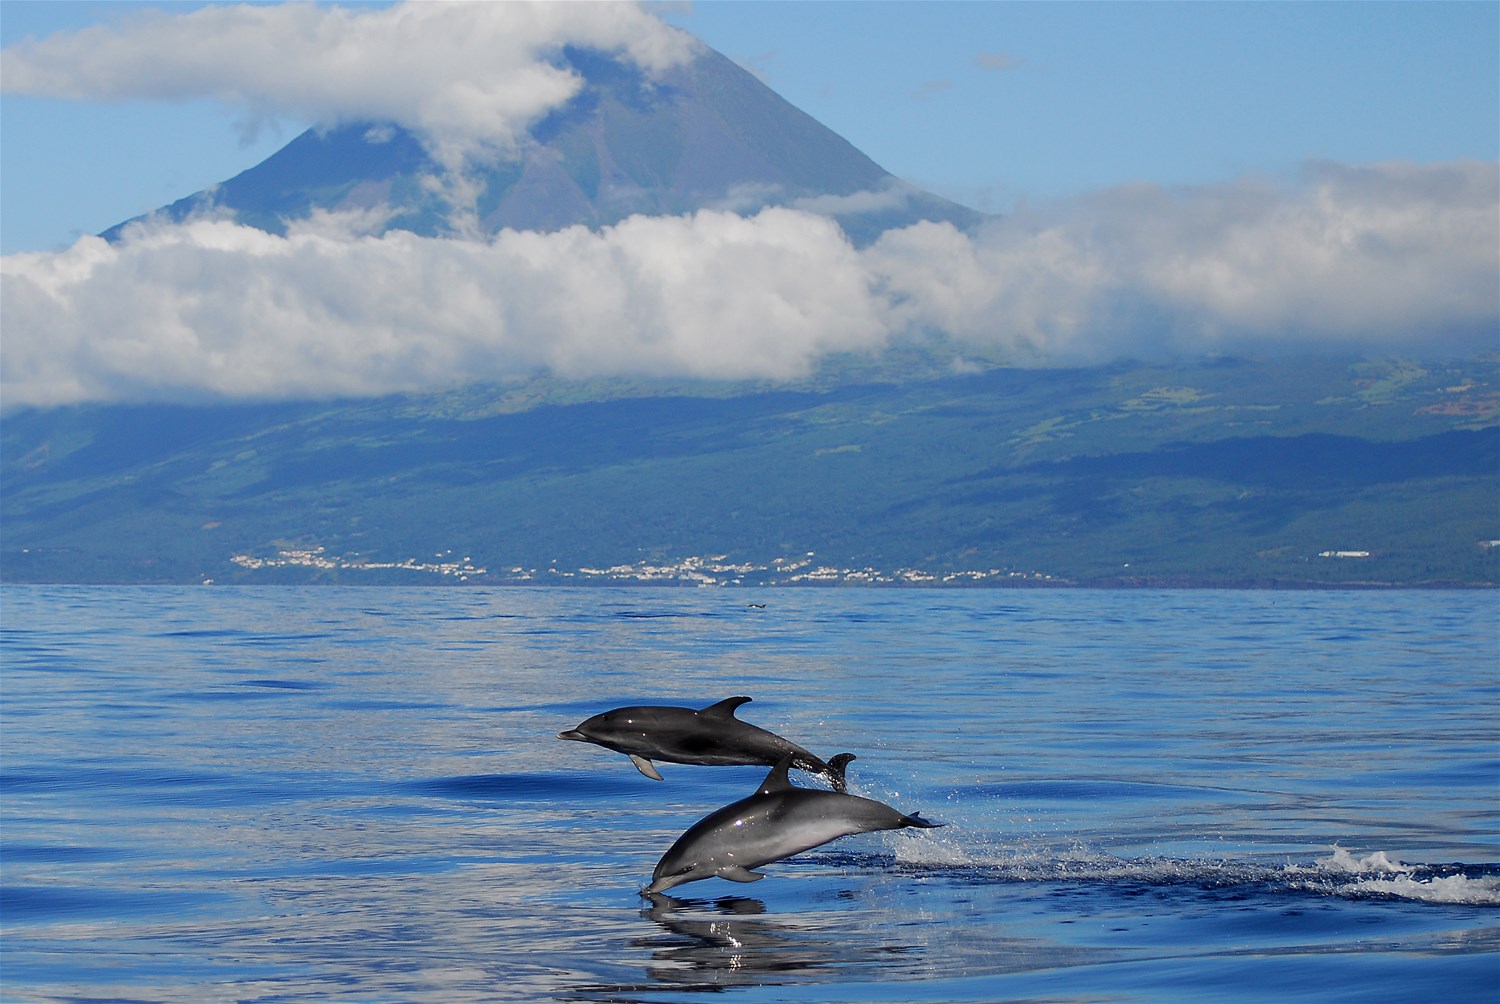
(214, 308)
(1387, 258)
(466, 77)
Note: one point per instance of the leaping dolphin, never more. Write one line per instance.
(779, 820)
(712, 737)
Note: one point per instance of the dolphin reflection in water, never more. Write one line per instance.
(708, 737)
(737, 942)
(776, 822)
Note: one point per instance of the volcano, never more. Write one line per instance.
(705, 135)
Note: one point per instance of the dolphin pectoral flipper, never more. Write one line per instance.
(724, 708)
(645, 767)
(738, 873)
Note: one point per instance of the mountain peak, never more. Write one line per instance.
(705, 134)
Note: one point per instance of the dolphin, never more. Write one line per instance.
(779, 820)
(711, 737)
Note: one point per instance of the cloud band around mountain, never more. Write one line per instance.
(1391, 258)
(468, 78)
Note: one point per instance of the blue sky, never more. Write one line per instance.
(1099, 94)
(987, 103)
(1175, 179)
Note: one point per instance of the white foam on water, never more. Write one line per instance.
(1340, 873)
(1377, 874)
(1483, 890)
(1342, 861)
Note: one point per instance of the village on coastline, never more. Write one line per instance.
(716, 570)
(694, 570)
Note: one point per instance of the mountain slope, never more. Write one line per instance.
(1250, 473)
(1290, 472)
(707, 135)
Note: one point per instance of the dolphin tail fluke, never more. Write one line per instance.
(831, 771)
(835, 772)
(645, 767)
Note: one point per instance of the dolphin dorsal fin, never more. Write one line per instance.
(725, 708)
(777, 779)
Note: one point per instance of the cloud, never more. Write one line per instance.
(998, 62)
(213, 308)
(930, 89)
(893, 196)
(1385, 257)
(1388, 257)
(468, 78)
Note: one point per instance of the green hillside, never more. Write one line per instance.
(1290, 472)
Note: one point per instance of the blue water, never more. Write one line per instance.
(282, 793)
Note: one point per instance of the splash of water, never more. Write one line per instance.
(1374, 875)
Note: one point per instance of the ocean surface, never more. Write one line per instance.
(357, 794)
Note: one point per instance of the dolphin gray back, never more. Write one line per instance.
(724, 711)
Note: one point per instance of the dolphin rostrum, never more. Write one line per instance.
(712, 737)
(779, 820)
